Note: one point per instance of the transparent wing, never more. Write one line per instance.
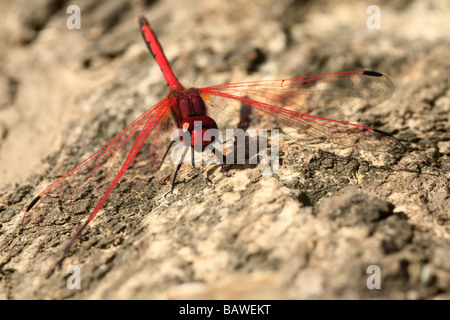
(84, 189)
(304, 102)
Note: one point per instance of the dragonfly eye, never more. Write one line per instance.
(197, 127)
(201, 139)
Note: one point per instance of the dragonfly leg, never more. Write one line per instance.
(196, 170)
(176, 171)
(165, 154)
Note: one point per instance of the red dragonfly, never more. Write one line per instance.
(146, 139)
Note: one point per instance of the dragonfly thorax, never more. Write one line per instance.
(189, 112)
(188, 104)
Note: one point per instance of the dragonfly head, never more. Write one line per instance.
(197, 128)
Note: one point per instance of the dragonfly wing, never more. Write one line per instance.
(303, 102)
(76, 191)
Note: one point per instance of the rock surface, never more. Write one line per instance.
(311, 231)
